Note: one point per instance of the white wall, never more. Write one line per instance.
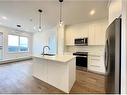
(124, 48)
(115, 9)
(6, 31)
(1, 39)
(1, 44)
(44, 38)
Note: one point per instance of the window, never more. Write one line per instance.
(17, 44)
(23, 44)
(13, 43)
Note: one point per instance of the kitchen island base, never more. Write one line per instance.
(61, 75)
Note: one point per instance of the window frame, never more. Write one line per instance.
(18, 45)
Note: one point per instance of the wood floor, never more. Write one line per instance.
(15, 78)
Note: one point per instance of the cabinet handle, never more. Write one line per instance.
(96, 59)
(95, 66)
(96, 56)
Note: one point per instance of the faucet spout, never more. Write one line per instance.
(44, 49)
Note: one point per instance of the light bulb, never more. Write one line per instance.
(39, 30)
(61, 23)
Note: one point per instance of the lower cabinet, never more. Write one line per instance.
(40, 69)
(96, 64)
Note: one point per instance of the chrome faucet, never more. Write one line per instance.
(44, 49)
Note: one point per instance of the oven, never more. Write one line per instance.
(81, 59)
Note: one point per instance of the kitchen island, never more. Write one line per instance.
(58, 71)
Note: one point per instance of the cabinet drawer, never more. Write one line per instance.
(94, 68)
(96, 63)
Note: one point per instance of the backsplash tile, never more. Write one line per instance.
(95, 49)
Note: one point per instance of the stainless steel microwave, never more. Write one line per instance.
(81, 41)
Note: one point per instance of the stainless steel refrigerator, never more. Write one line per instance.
(113, 57)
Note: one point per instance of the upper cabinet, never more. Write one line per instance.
(75, 31)
(95, 31)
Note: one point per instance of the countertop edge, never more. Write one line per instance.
(63, 61)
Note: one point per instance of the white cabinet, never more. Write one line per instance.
(40, 69)
(76, 31)
(56, 72)
(96, 64)
(69, 37)
(91, 37)
(97, 33)
(53, 74)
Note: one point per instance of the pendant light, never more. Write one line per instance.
(61, 20)
(40, 20)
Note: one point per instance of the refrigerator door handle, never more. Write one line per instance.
(106, 55)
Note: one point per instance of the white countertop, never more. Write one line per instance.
(59, 58)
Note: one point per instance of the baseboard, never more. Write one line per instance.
(15, 60)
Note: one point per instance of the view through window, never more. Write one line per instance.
(17, 44)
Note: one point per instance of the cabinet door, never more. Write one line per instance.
(78, 31)
(91, 34)
(54, 70)
(40, 69)
(96, 63)
(97, 33)
(69, 36)
(100, 30)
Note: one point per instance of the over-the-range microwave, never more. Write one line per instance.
(81, 41)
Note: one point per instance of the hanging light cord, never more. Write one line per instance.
(60, 12)
(40, 20)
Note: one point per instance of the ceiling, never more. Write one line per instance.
(25, 12)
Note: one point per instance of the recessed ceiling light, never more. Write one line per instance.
(3, 17)
(92, 12)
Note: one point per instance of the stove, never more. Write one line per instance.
(81, 53)
(81, 58)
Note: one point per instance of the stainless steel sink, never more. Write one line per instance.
(48, 54)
